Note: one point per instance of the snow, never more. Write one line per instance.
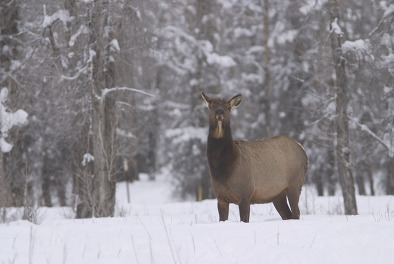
(82, 29)
(87, 157)
(225, 61)
(62, 15)
(227, 4)
(311, 5)
(214, 58)
(5, 146)
(358, 45)
(124, 133)
(335, 27)
(184, 134)
(389, 11)
(242, 33)
(114, 44)
(155, 228)
(287, 36)
(9, 120)
(109, 90)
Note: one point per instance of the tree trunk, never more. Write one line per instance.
(104, 158)
(342, 129)
(103, 116)
(361, 184)
(371, 181)
(203, 8)
(83, 176)
(390, 178)
(331, 181)
(8, 28)
(265, 101)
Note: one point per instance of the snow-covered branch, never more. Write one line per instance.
(109, 90)
(62, 15)
(71, 78)
(366, 129)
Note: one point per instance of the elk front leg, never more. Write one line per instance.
(244, 211)
(223, 208)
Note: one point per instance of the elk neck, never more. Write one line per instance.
(221, 150)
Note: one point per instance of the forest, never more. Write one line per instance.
(97, 91)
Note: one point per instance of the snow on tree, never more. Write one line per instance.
(8, 120)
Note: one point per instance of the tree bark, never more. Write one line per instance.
(390, 178)
(103, 116)
(203, 8)
(11, 179)
(265, 101)
(342, 126)
(331, 181)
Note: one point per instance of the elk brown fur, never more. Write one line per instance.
(245, 173)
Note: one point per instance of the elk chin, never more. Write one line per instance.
(218, 132)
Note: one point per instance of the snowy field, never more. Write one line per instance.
(154, 228)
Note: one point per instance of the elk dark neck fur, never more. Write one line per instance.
(222, 152)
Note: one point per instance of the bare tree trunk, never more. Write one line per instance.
(83, 175)
(371, 181)
(342, 147)
(103, 116)
(12, 180)
(203, 8)
(390, 178)
(265, 95)
(5, 191)
(331, 181)
(104, 158)
(361, 184)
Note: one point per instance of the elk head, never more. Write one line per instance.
(219, 117)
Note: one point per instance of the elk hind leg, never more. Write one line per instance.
(281, 206)
(294, 197)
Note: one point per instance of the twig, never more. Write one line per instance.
(146, 229)
(313, 240)
(135, 251)
(220, 252)
(64, 254)
(152, 259)
(31, 245)
(168, 238)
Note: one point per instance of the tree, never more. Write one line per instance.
(104, 48)
(109, 90)
(342, 126)
(195, 59)
(13, 169)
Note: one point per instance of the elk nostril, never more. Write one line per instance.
(219, 112)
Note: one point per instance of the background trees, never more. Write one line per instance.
(85, 72)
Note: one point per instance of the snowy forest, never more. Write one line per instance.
(97, 91)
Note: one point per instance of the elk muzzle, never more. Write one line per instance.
(219, 114)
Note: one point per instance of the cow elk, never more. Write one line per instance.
(245, 173)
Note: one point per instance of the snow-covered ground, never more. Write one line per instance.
(155, 229)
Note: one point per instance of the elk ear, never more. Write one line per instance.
(235, 101)
(207, 100)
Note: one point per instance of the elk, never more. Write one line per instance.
(245, 172)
